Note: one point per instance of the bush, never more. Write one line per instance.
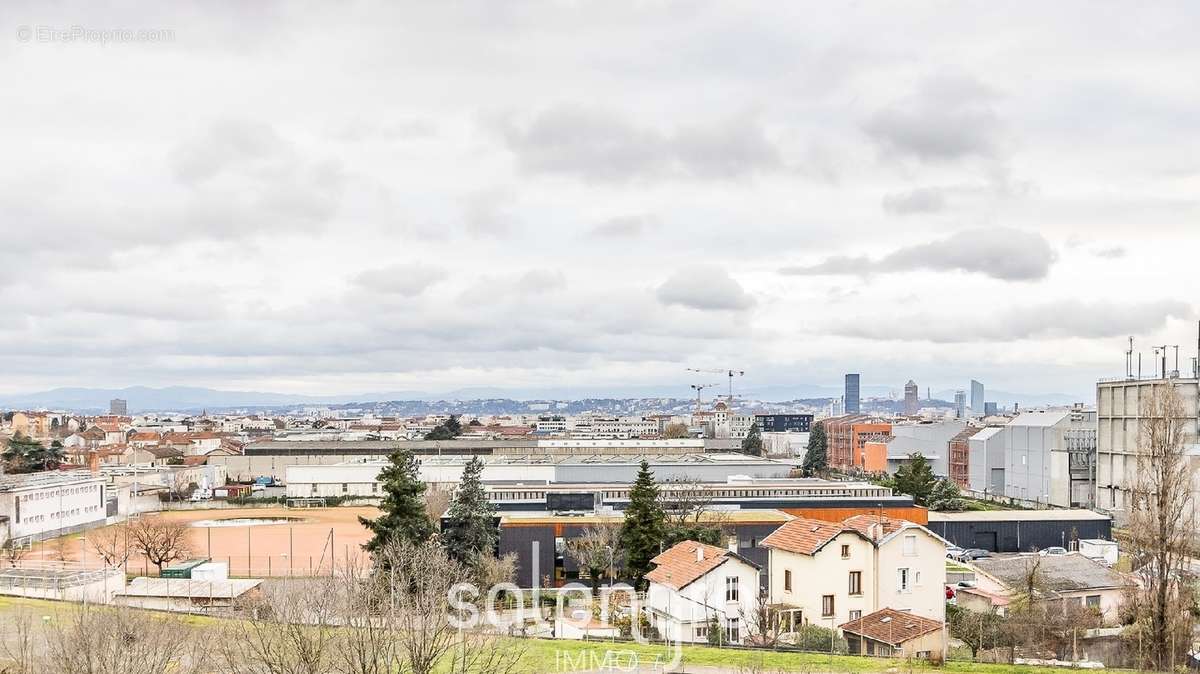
(816, 638)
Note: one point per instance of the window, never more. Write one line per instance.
(1093, 601)
(902, 580)
(910, 546)
(345, 487)
(787, 580)
(732, 632)
(731, 588)
(701, 632)
(827, 606)
(845, 552)
(855, 615)
(856, 582)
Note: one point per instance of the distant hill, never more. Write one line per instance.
(616, 399)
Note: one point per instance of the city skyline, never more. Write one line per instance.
(311, 200)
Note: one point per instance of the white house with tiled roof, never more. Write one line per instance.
(694, 582)
(828, 573)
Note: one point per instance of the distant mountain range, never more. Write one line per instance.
(188, 398)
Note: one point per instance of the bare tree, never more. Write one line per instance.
(597, 549)
(13, 551)
(437, 500)
(290, 628)
(61, 548)
(675, 431)
(161, 540)
(1161, 527)
(490, 571)
(420, 578)
(111, 544)
(688, 506)
(764, 622)
(122, 640)
(19, 647)
(366, 644)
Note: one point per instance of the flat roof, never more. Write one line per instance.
(188, 588)
(50, 478)
(767, 516)
(1017, 516)
(580, 460)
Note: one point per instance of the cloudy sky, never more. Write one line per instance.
(343, 197)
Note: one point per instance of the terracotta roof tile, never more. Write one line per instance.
(891, 627)
(678, 567)
(863, 524)
(803, 536)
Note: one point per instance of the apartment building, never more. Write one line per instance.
(829, 573)
(847, 437)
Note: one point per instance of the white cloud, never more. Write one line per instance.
(704, 287)
(1005, 254)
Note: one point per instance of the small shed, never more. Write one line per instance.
(888, 632)
(182, 569)
(188, 595)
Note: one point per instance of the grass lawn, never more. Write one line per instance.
(546, 655)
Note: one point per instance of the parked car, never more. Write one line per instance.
(974, 553)
(953, 551)
(1053, 550)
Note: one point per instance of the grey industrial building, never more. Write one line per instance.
(1020, 530)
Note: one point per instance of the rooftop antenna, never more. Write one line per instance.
(1129, 358)
(1139, 364)
(1176, 370)
(1163, 350)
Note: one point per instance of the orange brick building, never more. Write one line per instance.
(847, 438)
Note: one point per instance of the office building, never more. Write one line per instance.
(852, 395)
(118, 407)
(960, 404)
(783, 423)
(976, 398)
(911, 398)
(990, 409)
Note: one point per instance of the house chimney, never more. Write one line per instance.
(699, 552)
(733, 544)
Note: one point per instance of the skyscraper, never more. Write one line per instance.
(118, 406)
(976, 398)
(853, 402)
(911, 398)
(960, 404)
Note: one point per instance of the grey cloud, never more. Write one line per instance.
(224, 144)
(537, 281)
(948, 118)
(920, 200)
(1005, 254)
(602, 146)
(406, 280)
(622, 227)
(1062, 319)
(704, 287)
(487, 213)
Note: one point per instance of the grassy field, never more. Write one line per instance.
(544, 655)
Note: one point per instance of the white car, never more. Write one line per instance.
(1053, 550)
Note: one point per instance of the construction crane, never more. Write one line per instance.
(698, 388)
(730, 373)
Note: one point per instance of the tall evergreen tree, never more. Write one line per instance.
(470, 523)
(447, 430)
(816, 458)
(645, 526)
(404, 517)
(915, 478)
(752, 444)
